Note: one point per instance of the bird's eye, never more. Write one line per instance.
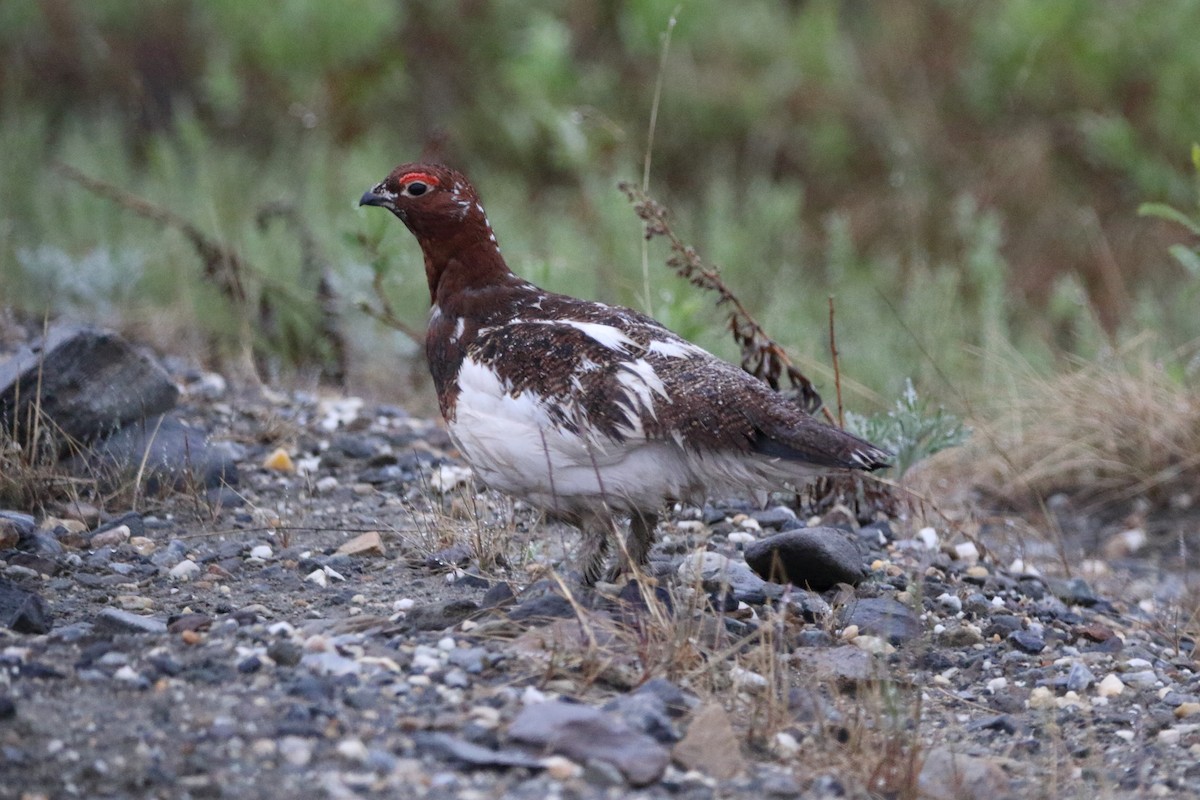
(416, 189)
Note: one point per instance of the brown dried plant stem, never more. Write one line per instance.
(837, 373)
(221, 264)
(762, 357)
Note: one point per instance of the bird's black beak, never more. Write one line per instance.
(373, 197)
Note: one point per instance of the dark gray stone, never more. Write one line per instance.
(676, 701)
(1080, 677)
(441, 615)
(164, 451)
(645, 712)
(546, 606)
(584, 734)
(884, 617)
(114, 619)
(776, 518)
(818, 558)
(22, 611)
(88, 382)
(1027, 642)
(1075, 591)
(445, 746)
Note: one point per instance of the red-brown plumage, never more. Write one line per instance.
(586, 409)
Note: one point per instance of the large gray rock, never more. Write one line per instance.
(86, 382)
(164, 452)
(817, 558)
(583, 734)
(884, 617)
(22, 611)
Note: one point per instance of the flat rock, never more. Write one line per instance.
(846, 665)
(884, 617)
(711, 746)
(716, 572)
(582, 733)
(89, 382)
(366, 544)
(22, 611)
(818, 558)
(443, 745)
(946, 775)
(125, 622)
(166, 452)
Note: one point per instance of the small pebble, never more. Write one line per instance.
(1187, 710)
(184, 571)
(966, 551)
(1111, 686)
(279, 461)
(1041, 697)
(296, 750)
(950, 602)
(262, 551)
(352, 749)
(1080, 677)
(928, 537)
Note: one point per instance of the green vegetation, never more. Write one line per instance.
(963, 178)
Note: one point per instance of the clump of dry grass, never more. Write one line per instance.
(1104, 432)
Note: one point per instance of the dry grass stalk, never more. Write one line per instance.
(1104, 433)
(762, 356)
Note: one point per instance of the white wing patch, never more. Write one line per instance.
(639, 383)
(606, 335)
(669, 349)
(459, 327)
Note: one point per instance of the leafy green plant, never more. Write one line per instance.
(910, 429)
(1188, 257)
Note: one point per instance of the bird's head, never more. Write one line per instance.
(442, 210)
(434, 201)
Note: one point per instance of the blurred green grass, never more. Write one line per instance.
(963, 178)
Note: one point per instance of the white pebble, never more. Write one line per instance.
(262, 551)
(352, 749)
(532, 696)
(296, 750)
(967, 551)
(318, 577)
(1041, 697)
(127, 674)
(184, 571)
(875, 645)
(560, 768)
(326, 484)
(1019, 567)
(950, 602)
(741, 537)
(786, 745)
(404, 604)
(1111, 686)
(447, 643)
(747, 679)
(1169, 736)
(928, 537)
(997, 685)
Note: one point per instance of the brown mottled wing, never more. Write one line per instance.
(689, 395)
(718, 406)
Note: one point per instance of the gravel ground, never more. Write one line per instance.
(354, 619)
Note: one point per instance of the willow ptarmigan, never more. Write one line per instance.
(584, 409)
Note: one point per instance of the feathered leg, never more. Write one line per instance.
(596, 528)
(637, 543)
